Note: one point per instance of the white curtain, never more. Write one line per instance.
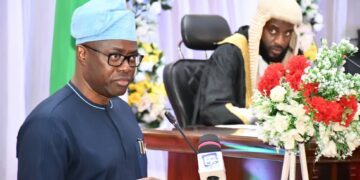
(341, 19)
(26, 29)
(236, 12)
(38, 35)
(12, 91)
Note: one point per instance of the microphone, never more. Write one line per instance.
(210, 159)
(173, 121)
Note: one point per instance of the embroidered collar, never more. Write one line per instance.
(86, 100)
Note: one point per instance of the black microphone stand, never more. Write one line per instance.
(173, 121)
(353, 62)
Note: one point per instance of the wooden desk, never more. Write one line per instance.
(241, 160)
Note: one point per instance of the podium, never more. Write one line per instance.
(244, 157)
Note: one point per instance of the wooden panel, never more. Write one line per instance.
(241, 164)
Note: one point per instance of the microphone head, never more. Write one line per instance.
(210, 160)
(170, 117)
(209, 143)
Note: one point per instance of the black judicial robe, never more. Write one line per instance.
(68, 137)
(222, 82)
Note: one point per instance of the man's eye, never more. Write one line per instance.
(132, 58)
(115, 56)
(288, 34)
(272, 31)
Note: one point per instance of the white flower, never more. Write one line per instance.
(289, 142)
(290, 137)
(144, 103)
(267, 126)
(142, 30)
(146, 66)
(160, 71)
(310, 128)
(324, 133)
(148, 118)
(139, 77)
(337, 127)
(329, 149)
(319, 18)
(155, 8)
(300, 127)
(352, 140)
(139, 1)
(357, 114)
(298, 111)
(262, 135)
(277, 94)
(281, 122)
(281, 106)
(157, 110)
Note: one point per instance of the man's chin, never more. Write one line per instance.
(275, 59)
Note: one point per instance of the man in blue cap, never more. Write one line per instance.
(85, 131)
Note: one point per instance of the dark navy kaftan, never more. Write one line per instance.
(68, 137)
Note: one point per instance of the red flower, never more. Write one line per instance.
(295, 69)
(326, 111)
(333, 111)
(271, 78)
(310, 89)
(350, 108)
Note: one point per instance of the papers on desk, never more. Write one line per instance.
(242, 130)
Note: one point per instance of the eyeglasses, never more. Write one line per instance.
(116, 59)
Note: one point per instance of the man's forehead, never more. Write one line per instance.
(279, 23)
(117, 45)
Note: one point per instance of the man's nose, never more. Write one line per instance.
(280, 40)
(124, 66)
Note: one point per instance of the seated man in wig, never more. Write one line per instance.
(233, 70)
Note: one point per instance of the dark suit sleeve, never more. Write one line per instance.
(218, 86)
(41, 151)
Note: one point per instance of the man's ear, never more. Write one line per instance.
(81, 54)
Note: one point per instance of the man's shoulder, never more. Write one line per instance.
(232, 46)
(50, 106)
(244, 30)
(44, 121)
(235, 41)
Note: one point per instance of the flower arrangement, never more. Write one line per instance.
(311, 99)
(146, 12)
(279, 106)
(311, 52)
(311, 14)
(147, 94)
(312, 22)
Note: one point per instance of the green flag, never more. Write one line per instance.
(63, 51)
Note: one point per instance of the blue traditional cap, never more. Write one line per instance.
(103, 20)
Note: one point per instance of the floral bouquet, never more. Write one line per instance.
(311, 15)
(311, 99)
(279, 105)
(331, 100)
(312, 22)
(147, 94)
(146, 12)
